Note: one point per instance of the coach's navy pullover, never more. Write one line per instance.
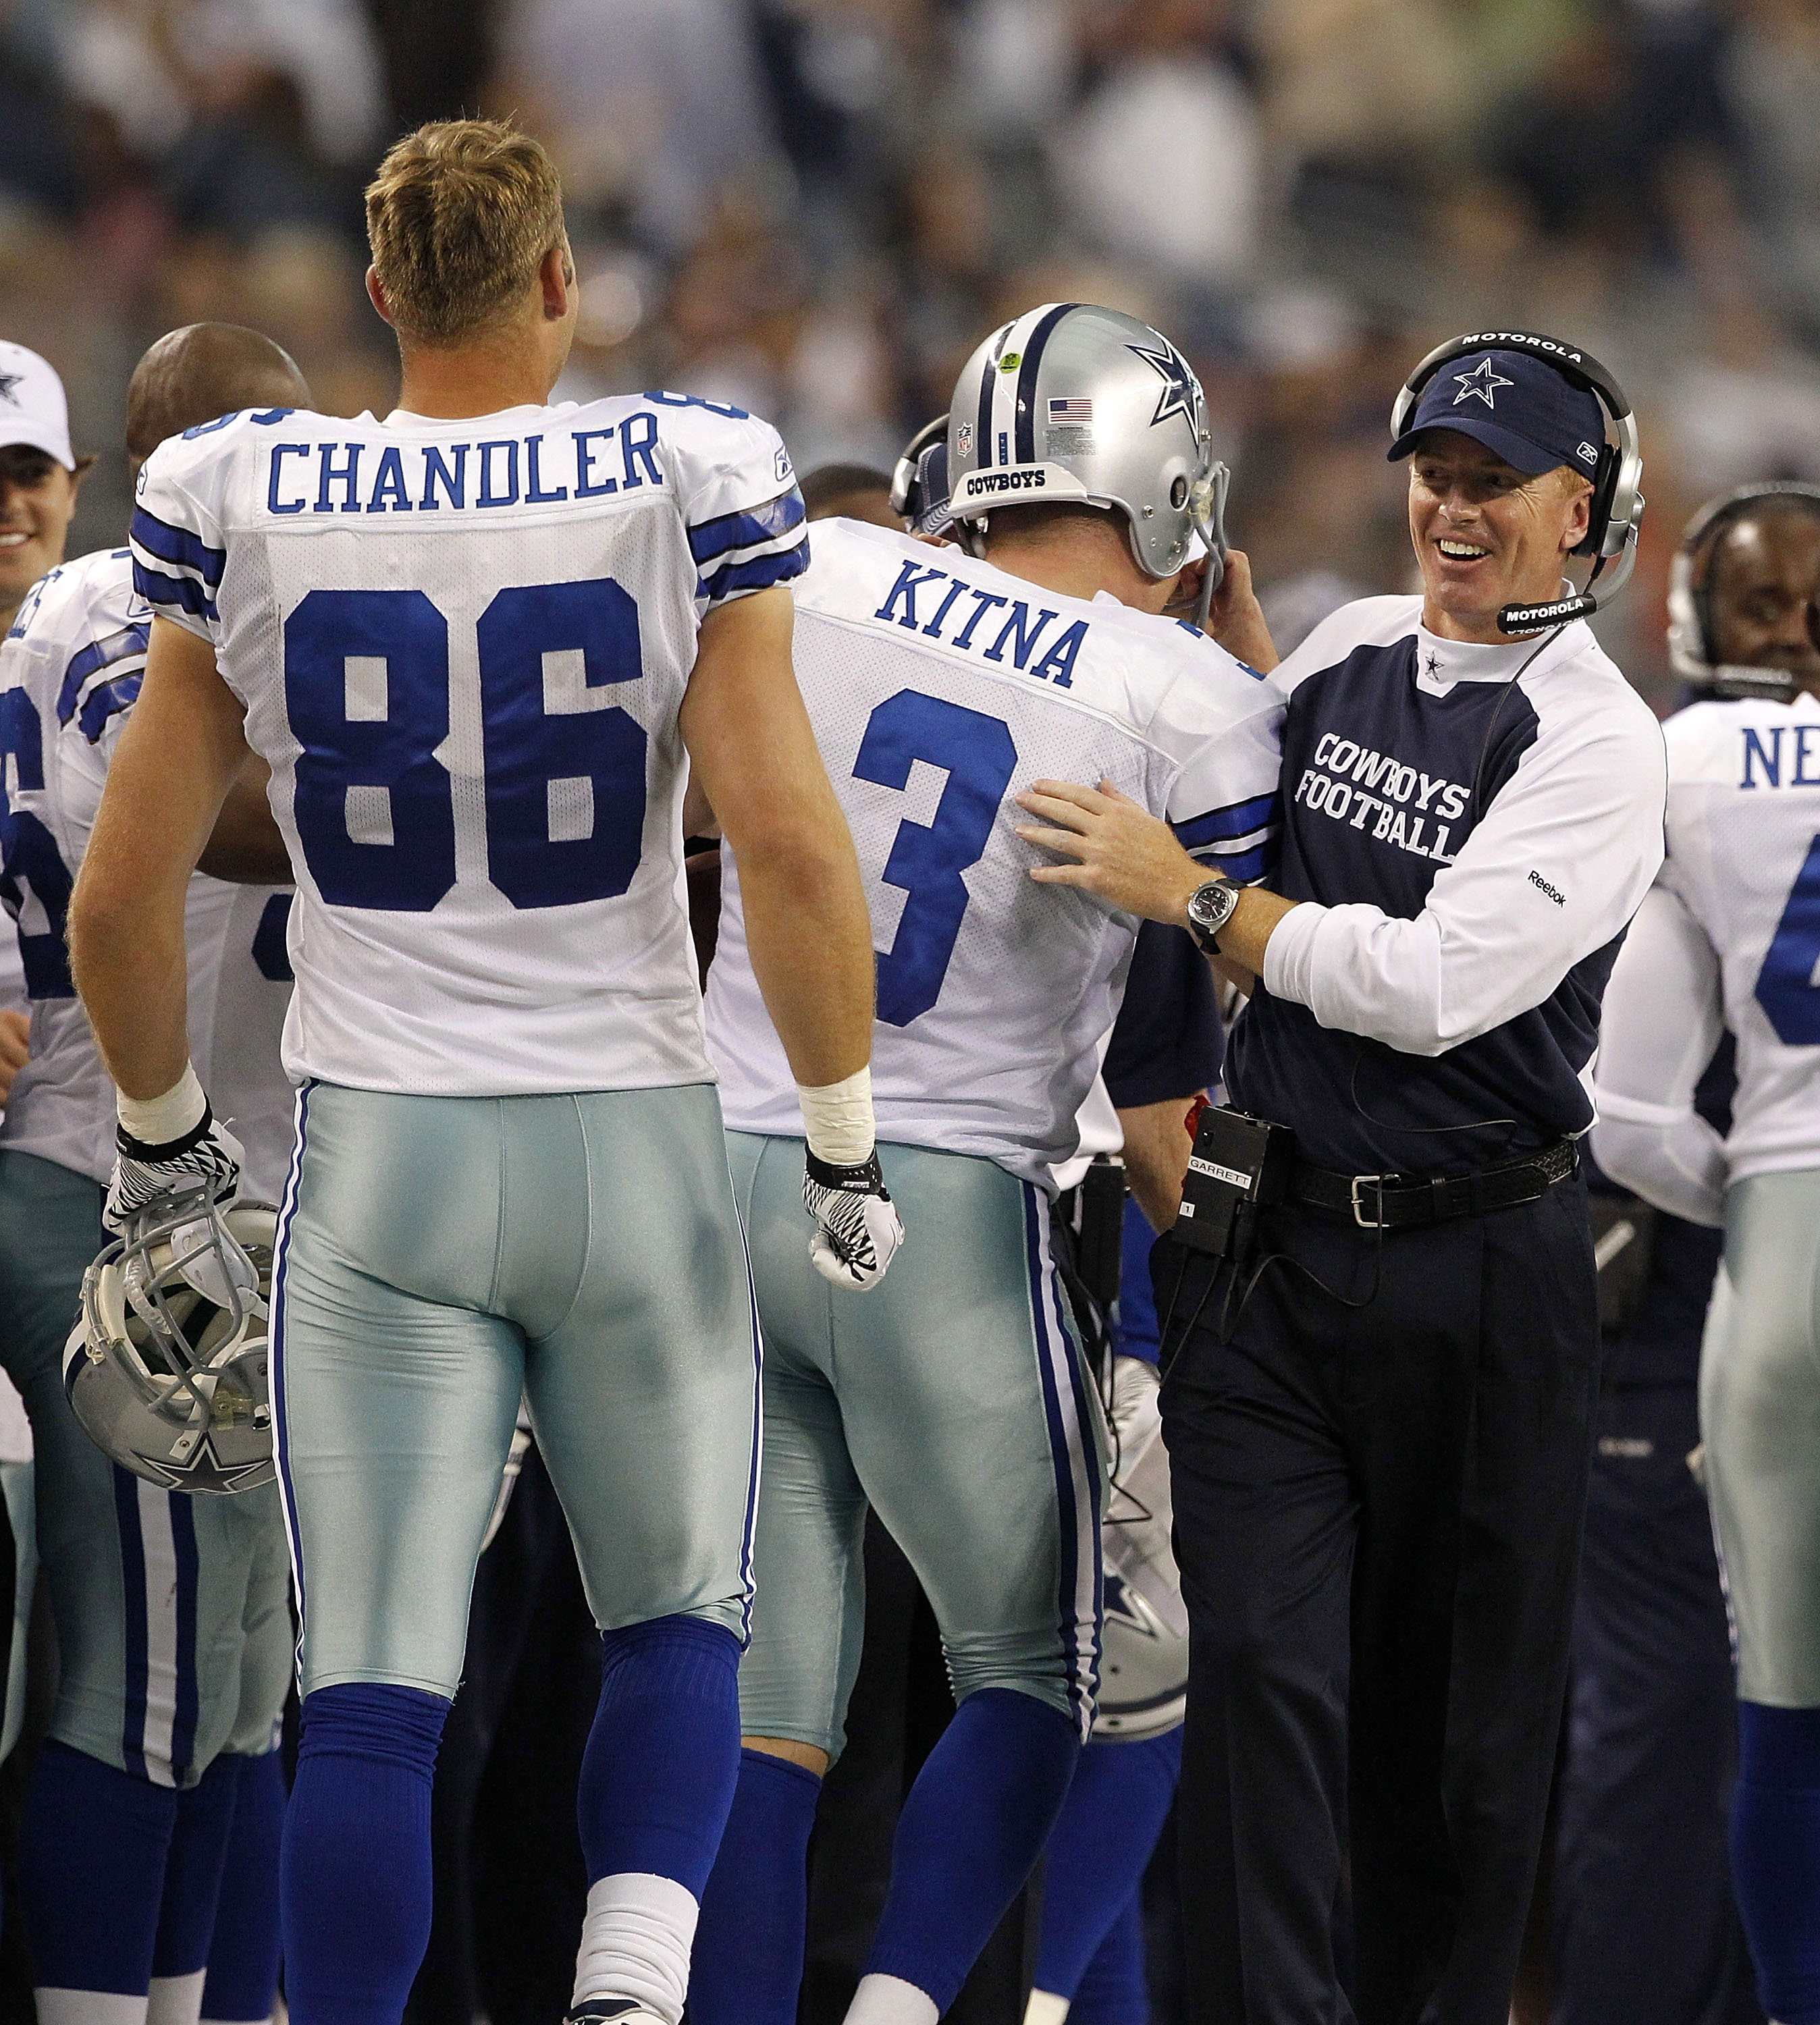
(1471, 847)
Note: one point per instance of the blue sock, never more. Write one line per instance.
(972, 1828)
(193, 1871)
(243, 1951)
(355, 1873)
(1775, 1855)
(1108, 1829)
(747, 1968)
(91, 1873)
(1115, 1989)
(663, 1758)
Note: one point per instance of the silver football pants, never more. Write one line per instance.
(1760, 1417)
(953, 1398)
(437, 1256)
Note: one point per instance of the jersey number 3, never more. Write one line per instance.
(1789, 984)
(367, 685)
(927, 859)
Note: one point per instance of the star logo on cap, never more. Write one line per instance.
(7, 382)
(1484, 378)
(1181, 394)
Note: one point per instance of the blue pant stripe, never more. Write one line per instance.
(1058, 1403)
(189, 1689)
(281, 1421)
(748, 1543)
(137, 1631)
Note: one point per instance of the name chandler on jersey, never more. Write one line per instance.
(1338, 784)
(1017, 633)
(538, 467)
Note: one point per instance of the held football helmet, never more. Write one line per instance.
(166, 1368)
(1144, 1655)
(1073, 402)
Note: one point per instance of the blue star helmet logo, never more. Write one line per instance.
(7, 382)
(1181, 394)
(1482, 380)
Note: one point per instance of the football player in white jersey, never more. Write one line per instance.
(478, 643)
(1730, 936)
(939, 681)
(174, 1628)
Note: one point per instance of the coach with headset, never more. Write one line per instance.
(1382, 1329)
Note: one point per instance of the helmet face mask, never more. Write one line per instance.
(1073, 402)
(167, 1367)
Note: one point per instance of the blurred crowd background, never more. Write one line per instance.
(816, 207)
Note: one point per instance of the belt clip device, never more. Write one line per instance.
(1239, 1165)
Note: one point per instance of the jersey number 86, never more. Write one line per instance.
(366, 687)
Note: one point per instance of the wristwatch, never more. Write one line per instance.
(1210, 907)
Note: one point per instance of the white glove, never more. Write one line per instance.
(858, 1228)
(205, 1162)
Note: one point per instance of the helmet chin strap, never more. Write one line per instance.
(1206, 510)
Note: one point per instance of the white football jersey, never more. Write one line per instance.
(1743, 856)
(462, 646)
(69, 673)
(939, 688)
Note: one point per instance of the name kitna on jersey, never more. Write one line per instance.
(1343, 791)
(1018, 632)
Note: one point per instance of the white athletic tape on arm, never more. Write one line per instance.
(156, 1121)
(837, 1120)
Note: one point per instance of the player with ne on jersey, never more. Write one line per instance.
(476, 641)
(159, 1790)
(1730, 937)
(941, 681)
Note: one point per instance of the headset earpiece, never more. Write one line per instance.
(1599, 507)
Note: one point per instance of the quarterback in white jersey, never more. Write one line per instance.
(939, 686)
(1730, 938)
(479, 645)
(941, 681)
(173, 1618)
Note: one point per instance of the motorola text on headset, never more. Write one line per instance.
(1615, 517)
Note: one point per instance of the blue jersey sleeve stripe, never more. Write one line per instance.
(98, 655)
(747, 529)
(759, 574)
(184, 592)
(107, 700)
(1242, 865)
(1238, 819)
(178, 546)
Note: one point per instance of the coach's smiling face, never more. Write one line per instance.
(1486, 534)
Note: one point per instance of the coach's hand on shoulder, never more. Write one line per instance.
(1128, 858)
(191, 1154)
(858, 1230)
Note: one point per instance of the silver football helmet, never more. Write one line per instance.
(167, 1367)
(1073, 402)
(1144, 1645)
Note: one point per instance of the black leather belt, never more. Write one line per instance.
(1402, 1202)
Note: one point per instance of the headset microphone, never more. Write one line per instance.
(1538, 618)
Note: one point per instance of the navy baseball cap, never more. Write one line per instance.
(1526, 412)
